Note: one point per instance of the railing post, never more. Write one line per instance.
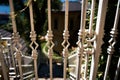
(12, 56)
(81, 37)
(33, 44)
(49, 38)
(16, 37)
(112, 41)
(2, 61)
(65, 43)
(117, 70)
(99, 35)
(92, 17)
(90, 37)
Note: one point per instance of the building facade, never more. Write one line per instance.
(58, 20)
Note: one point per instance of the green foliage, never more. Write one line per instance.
(56, 57)
(6, 26)
(23, 20)
(108, 26)
(56, 4)
(111, 10)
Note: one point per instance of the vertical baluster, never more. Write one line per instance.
(65, 43)
(50, 35)
(13, 16)
(11, 54)
(117, 70)
(112, 41)
(2, 61)
(13, 58)
(92, 17)
(88, 50)
(99, 35)
(90, 38)
(81, 38)
(16, 37)
(86, 65)
(33, 44)
(49, 38)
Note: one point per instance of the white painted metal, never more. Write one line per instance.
(90, 38)
(7, 56)
(81, 38)
(2, 61)
(92, 16)
(65, 43)
(89, 42)
(12, 63)
(49, 38)
(16, 37)
(72, 64)
(112, 41)
(99, 35)
(13, 16)
(33, 39)
(86, 65)
(72, 56)
(117, 70)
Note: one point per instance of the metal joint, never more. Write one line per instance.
(33, 35)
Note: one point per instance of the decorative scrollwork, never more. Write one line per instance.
(33, 39)
(79, 43)
(49, 43)
(17, 46)
(89, 40)
(65, 43)
(34, 46)
(112, 41)
(50, 46)
(18, 54)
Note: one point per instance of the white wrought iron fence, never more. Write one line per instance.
(88, 45)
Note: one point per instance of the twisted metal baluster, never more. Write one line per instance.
(16, 38)
(65, 43)
(112, 41)
(49, 38)
(99, 35)
(81, 38)
(33, 44)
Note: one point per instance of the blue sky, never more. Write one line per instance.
(4, 9)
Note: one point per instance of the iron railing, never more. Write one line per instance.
(88, 45)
